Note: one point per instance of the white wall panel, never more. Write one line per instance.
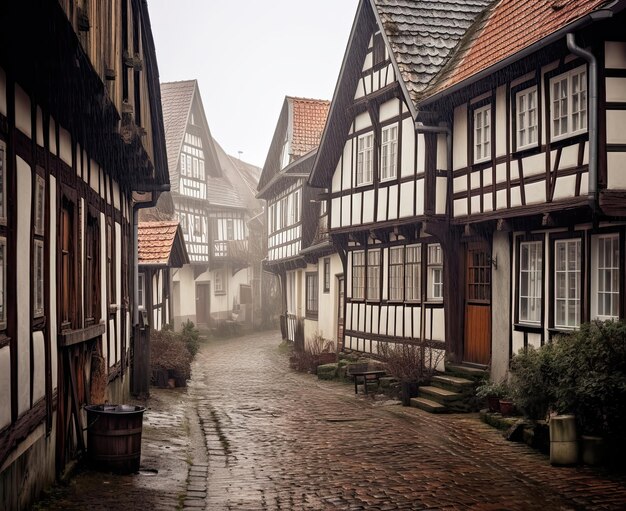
(421, 155)
(336, 182)
(368, 207)
(616, 89)
(52, 273)
(419, 197)
(442, 195)
(381, 214)
(65, 143)
(460, 207)
(361, 317)
(460, 138)
(389, 109)
(407, 197)
(335, 218)
(535, 164)
(488, 202)
(536, 192)
(501, 199)
(501, 120)
(565, 187)
(356, 208)
(348, 152)
(516, 198)
(616, 126)
(407, 158)
(22, 111)
(39, 127)
(393, 202)
(616, 170)
(383, 320)
(345, 211)
(39, 366)
(475, 204)
(362, 121)
(615, 54)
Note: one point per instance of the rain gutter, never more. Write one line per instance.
(592, 194)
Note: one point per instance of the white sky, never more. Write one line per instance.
(247, 55)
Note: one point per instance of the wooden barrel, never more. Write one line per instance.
(114, 437)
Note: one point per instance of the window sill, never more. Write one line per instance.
(561, 138)
(310, 315)
(527, 327)
(71, 337)
(39, 323)
(527, 150)
(364, 184)
(220, 293)
(389, 179)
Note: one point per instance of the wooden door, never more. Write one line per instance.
(477, 346)
(340, 301)
(203, 303)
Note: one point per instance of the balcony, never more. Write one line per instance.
(231, 251)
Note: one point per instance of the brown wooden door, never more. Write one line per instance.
(203, 303)
(477, 347)
(340, 301)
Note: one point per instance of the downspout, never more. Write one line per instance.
(592, 194)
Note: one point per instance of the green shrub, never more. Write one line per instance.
(191, 337)
(489, 388)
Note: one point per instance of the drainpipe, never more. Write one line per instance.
(592, 195)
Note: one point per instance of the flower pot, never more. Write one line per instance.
(506, 406)
(408, 389)
(563, 440)
(493, 402)
(592, 449)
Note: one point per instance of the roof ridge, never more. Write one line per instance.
(313, 100)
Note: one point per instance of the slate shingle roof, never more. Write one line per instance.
(221, 193)
(423, 34)
(155, 241)
(511, 26)
(176, 100)
(308, 121)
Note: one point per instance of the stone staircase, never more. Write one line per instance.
(450, 392)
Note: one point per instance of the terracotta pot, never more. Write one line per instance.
(506, 406)
(493, 402)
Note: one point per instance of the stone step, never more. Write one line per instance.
(428, 405)
(453, 383)
(439, 395)
(466, 371)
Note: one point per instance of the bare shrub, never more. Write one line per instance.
(317, 351)
(410, 362)
(169, 352)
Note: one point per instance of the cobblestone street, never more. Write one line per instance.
(280, 440)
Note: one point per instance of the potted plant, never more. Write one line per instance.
(492, 392)
(411, 364)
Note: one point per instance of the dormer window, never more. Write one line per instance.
(284, 155)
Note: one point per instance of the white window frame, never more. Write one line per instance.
(219, 283)
(566, 101)
(532, 275)
(605, 275)
(198, 228)
(365, 159)
(389, 152)
(141, 291)
(374, 258)
(435, 272)
(482, 134)
(527, 118)
(413, 273)
(358, 274)
(564, 272)
(38, 278)
(396, 274)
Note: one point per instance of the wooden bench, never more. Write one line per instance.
(365, 373)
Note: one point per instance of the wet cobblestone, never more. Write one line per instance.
(280, 440)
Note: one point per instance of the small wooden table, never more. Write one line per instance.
(364, 374)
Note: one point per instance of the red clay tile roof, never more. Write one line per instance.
(511, 26)
(155, 242)
(309, 119)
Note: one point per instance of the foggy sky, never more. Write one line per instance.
(247, 55)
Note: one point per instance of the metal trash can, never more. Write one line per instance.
(563, 440)
(114, 437)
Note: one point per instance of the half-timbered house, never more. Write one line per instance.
(299, 251)
(536, 191)
(216, 286)
(386, 187)
(161, 248)
(81, 147)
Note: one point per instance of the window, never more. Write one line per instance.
(182, 218)
(38, 247)
(364, 162)
(605, 283)
(482, 134)
(389, 151)
(230, 229)
(284, 155)
(294, 208)
(567, 283)
(327, 275)
(527, 130)
(569, 103)
(358, 275)
(373, 274)
(141, 291)
(311, 295)
(38, 275)
(220, 284)
(379, 49)
(530, 282)
(396, 274)
(92, 268)
(413, 273)
(67, 262)
(40, 198)
(183, 165)
(197, 225)
(3, 282)
(3, 154)
(435, 272)
(111, 262)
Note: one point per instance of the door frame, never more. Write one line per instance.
(206, 285)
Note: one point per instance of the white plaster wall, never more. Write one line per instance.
(65, 141)
(459, 152)
(5, 385)
(500, 119)
(52, 137)
(616, 89)
(362, 121)
(615, 170)
(186, 296)
(616, 126)
(39, 127)
(22, 111)
(389, 109)
(23, 291)
(500, 306)
(407, 191)
(348, 152)
(407, 158)
(615, 54)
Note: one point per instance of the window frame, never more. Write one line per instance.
(595, 277)
(311, 294)
(3, 281)
(432, 269)
(373, 274)
(92, 266)
(485, 130)
(141, 291)
(525, 93)
(389, 152)
(365, 160)
(3, 183)
(326, 275)
(554, 240)
(415, 275)
(521, 242)
(568, 77)
(358, 272)
(395, 293)
(221, 289)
